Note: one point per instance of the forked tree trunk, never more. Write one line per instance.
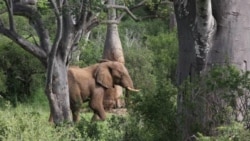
(210, 32)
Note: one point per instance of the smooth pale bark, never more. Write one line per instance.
(75, 58)
(113, 47)
(232, 39)
(58, 94)
(218, 37)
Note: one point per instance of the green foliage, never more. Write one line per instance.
(2, 82)
(20, 72)
(150, 54)
(140, 72)
(232, 132)
(111, 129)
(216, 96)
(91, 54)
(29, 122)
(151, 60)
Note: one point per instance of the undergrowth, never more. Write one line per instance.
(29, 122)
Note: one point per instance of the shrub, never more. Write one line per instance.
(235, 132)
(217, 99)
(20, 72)
(153, 110)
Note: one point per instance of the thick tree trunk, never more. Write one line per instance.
(113, 47)
(58, 95)
(211, 33)
(232, 39)
(185, 16)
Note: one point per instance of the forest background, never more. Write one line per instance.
(150, 48)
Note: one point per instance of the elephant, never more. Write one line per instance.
(112, 99)
(90, 83)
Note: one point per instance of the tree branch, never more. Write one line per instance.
(139, 5)
(25, 44)
(36, 21)
(9, 5)
(85, 17)
(56, 6)
(125, 9)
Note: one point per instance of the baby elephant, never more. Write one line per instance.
(90, 83)
(113, 99)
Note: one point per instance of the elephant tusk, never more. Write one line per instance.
(132, 89)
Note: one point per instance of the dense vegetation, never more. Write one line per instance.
(145, 52)
(150, 50)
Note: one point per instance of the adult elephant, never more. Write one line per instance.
(90, 83)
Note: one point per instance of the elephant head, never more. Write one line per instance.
(113, 73)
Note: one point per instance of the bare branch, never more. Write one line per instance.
(83, 15)
(93, 22)
(68, 31)
(11, 33)
(125, 9)
(25, 44)
(9, 5)
(36, 21)
(33, 37)
(59, 27)
(139, 5)
(56, 5)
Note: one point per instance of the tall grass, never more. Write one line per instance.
(29, 122)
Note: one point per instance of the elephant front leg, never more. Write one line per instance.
(75, 108)
(96, 104)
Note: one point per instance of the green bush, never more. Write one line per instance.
(153, 110)
(233, 132)
(215, 99)
(91, 54)
(20, 72)
(29, 122)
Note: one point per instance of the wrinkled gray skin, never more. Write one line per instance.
(90, 83)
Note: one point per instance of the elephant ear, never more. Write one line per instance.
(103, 76)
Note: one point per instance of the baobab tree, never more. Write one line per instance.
(113, 48)
(211, 33)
